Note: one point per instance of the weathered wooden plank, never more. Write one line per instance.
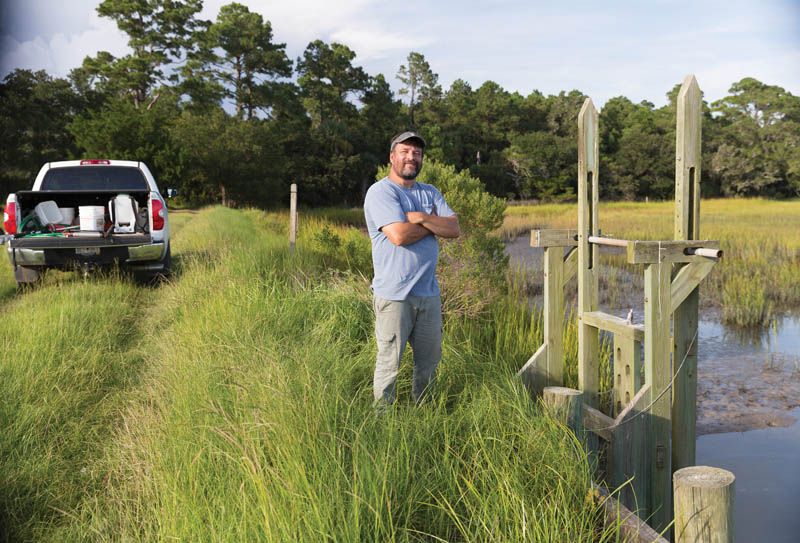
(533, 373)
(704, 498)
(554, 238)
(598, 422)
(613, 324)
(628, 461)
(570, 265)
(554, 315)
(658, 373)
(650, 252)
(588, 171)
(687, 279)
(632, 528)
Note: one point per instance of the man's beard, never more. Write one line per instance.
(411, 175)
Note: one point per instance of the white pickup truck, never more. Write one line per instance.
(83, 214)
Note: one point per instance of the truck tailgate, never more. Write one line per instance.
(115, 240)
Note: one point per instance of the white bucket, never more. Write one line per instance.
(67, 215)
(92, 218)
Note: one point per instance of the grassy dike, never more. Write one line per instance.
(234, 404)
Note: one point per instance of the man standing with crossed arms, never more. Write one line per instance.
(404, 217)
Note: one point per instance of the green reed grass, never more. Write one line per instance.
(234, 404)
(759, 276)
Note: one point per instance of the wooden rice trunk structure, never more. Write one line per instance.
(651, 428)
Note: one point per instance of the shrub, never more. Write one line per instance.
(472, 267)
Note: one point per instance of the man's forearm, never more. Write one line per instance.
(445, 227)
(405, 233)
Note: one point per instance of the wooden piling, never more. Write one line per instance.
(565, 405)
(704, 499)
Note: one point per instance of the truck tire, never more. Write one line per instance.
(26, 276)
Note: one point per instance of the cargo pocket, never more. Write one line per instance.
(387, 359)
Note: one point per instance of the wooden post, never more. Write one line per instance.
(704, 499)
(688, 161)
(293, 217)
(565, 405)
(588, 336)
(554, 314)
(658, 374)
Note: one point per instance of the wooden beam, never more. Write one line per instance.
(687, 280)
(658, 373)
(554, 238)
(632, 528)
(651, 252)
(570, 265)
(588, 285)
(615, 325)
(598, 422)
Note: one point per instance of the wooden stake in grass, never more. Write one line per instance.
(704, 505)
(293, 217)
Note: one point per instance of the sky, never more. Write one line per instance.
(603, 48)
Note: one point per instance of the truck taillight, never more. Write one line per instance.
(10, 216)
(157, 210)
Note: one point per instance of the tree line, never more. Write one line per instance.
(218, 110)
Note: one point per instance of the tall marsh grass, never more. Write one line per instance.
(760, 273)
(234, 404)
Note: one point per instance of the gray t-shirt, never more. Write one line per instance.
(408, 270)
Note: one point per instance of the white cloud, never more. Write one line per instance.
(374, 44)
(62, 52)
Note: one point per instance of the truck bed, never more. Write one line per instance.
(73, 198)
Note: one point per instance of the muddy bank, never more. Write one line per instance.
(744, 382)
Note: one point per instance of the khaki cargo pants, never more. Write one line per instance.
(416, 320)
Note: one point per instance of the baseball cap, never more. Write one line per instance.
(405, 136)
